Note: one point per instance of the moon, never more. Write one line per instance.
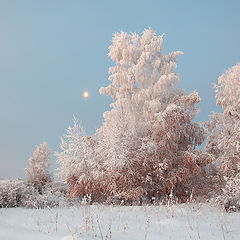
(86, 94)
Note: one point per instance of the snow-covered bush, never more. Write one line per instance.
(53, 195)
(38, 171)
(224, 128)
(230, 196)
(11, 193)
(19, 193)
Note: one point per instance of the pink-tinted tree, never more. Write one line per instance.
(224, 128)
(78, 164)
(38, 171)
(147, 140)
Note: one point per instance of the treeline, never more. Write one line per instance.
(147, 149)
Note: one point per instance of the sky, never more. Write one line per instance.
(53, 51)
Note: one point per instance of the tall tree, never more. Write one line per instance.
(224, 128)
(147, 139)
(224, 139)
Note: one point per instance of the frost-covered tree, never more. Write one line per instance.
(38, 171)
(228, 91)
(224, 128)
(147, 139)
(77, 160)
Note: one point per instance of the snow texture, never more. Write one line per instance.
(187, 221)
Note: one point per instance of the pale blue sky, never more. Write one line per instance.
(51, 51)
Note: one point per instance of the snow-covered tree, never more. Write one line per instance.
(77, 160)
(147, 139)
(228, 91)
(224, 128)
(38, 171)
(224, 138)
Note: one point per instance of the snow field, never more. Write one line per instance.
(188, 221)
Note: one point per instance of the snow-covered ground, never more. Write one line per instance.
(188, 221)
